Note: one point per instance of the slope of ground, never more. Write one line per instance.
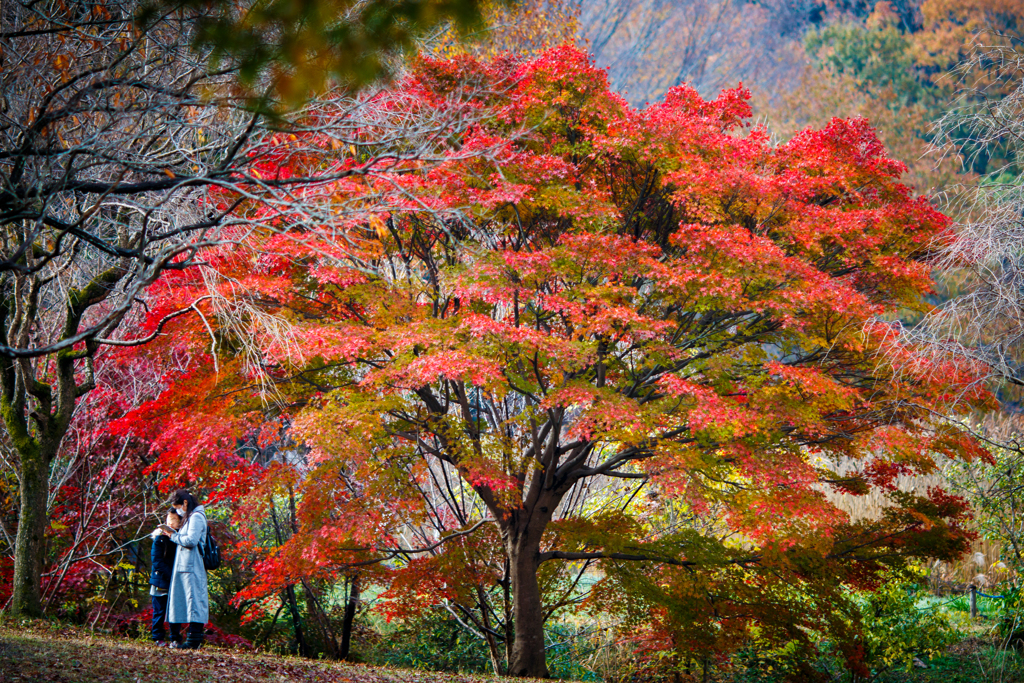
(43, 652)
(36, 653)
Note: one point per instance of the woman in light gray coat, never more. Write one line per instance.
(189, 599)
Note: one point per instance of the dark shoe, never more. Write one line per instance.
(195, 637)
(191, 643)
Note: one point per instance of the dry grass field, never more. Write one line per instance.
(972, 567)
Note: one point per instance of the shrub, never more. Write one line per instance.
(137, 625)
(895, 629)
(433, 642)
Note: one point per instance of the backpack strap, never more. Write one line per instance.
(206, 534)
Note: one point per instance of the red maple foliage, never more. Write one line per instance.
(581, 335)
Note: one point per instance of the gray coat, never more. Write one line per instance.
(189, 599)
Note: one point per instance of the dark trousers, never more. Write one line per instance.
(159, 617)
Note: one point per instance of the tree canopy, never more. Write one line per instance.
(581, 334)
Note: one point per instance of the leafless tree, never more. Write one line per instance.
(108, 131)
(125, 153)
(649, 47)
(984, 325)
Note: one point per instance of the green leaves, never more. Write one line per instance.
(290, 48)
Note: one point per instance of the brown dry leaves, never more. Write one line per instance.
(67, 655)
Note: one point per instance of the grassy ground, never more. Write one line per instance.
(969, 662)
(973, 660)
(41, 653)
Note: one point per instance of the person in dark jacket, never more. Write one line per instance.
(162, 567)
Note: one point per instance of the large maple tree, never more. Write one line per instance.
(610, 300)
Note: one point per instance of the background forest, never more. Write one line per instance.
(599, 339)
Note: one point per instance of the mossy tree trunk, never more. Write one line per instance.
(37, 402)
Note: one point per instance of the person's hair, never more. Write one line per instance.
(173, 518)
(181, 496)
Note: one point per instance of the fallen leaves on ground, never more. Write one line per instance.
(67, 655)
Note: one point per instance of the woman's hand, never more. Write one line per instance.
(166, 530)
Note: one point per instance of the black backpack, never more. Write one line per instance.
(210, 551)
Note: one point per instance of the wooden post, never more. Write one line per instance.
(973, 591)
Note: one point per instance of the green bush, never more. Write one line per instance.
(433, 642)
(568, 648)
(896, 629)
(896, 624)
(437, 642)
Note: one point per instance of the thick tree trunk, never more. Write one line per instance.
(528, 656)
(30, 544)
(48, 408)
